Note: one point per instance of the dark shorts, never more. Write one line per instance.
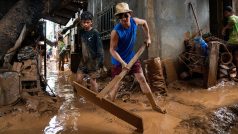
(136, 68)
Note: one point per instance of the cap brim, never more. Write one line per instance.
(126, 11)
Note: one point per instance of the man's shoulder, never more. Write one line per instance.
(94, 30)
(233, 18)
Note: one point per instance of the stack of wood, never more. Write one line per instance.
(227, 71)
(196, 62)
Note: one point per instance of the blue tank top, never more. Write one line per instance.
(126, 42)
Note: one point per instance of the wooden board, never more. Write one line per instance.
(111, 107)
(210, 74)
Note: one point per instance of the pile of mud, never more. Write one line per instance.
(219, 121)
(39, 104)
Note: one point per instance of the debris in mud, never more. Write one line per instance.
(218, 122)
(38, 104)
(193, 125)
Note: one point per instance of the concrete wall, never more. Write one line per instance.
(168, 21)
(174, 18)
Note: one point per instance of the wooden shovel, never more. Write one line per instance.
(124, 71)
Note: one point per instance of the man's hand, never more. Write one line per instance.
(124, 65)
(147, 42)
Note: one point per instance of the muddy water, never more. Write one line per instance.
(215, 109)
(190, 109)
(77, 115)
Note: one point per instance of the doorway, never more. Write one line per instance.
(217, 20)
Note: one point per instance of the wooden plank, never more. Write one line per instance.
(111, 107)
(210, 74)
(124, 71)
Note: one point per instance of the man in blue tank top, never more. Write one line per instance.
(123, 38)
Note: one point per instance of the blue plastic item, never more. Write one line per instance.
(203, 44)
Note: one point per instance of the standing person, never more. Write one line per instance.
(61, 52)
(123, 38)
(91, 50)
(232, 26)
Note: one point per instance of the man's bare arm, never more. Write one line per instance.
(145, 29)
(228, 26)
(76, 22)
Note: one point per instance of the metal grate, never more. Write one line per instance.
(106, 22)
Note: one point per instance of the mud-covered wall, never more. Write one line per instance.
(174, 18)
(168, 21)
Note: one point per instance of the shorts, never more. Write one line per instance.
(136, 68)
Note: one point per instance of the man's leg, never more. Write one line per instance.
(59, 63)
(115, 71)
(146, 90)
(113, 92)
(94, 85)
(62, 62)
(79, 77)
(93, 81)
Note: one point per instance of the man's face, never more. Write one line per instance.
(86, 24)
(227, 14)
(124, 19)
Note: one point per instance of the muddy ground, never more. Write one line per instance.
(190, 109)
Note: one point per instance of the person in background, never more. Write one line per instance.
(49, 53)
(232, 27)
(91, 50)
(123, 38)
(61, 52)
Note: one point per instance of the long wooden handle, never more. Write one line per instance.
(195, 16)
(119, 77)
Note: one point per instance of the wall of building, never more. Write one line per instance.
(173, 19)
(168, 21)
